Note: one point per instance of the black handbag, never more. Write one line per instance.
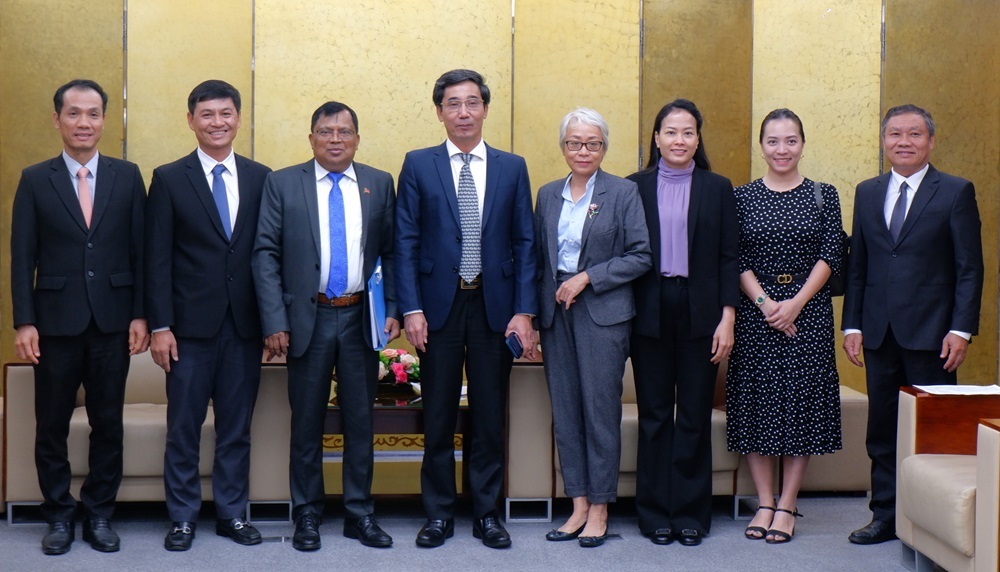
(837, 279)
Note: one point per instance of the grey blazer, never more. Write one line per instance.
(286, 254)
(615, 249)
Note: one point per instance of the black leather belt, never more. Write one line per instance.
(345, 300)
(784, 278)
(473, 285)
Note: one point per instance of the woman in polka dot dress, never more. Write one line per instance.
(782, 388)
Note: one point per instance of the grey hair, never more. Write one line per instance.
(586, 116)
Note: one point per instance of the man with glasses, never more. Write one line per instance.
(465, 264)
(323, 226)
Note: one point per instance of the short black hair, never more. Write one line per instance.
(782, 113)
(213, 89)
(909, 108)
(455, 77)
(332, 108)
(57, 99)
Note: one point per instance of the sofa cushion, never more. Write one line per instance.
(145, 441)
(940, 493)
(630, 437)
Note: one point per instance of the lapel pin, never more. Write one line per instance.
(367, 192)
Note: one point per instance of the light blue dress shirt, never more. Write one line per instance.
(570, 230)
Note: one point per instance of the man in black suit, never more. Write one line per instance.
(200, 223)
(914, 288)
(323, 226)
(76, 284)
(465, 260)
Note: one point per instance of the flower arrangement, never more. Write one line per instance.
(398, 366)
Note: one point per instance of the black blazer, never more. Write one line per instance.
(193, 272)
(713, 253)
(927, 283)
(62, 273)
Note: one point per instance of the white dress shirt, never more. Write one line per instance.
(74, 167)
(352, 219)
(229, 177)
(477, 165)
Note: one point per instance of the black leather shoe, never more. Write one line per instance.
(556, 535)
(306, 536)
(689, 537)
(97, 532)
(662, 536)
(59, 539)
(593, 541)
(434, 533)
(241, 531)
(874, 532)
(180, 537)
(367, 530)
(491, 531)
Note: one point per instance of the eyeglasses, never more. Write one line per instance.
(343, 134)
(592, 146)
(473, 104)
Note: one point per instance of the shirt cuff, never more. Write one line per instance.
(849, 331)
(964, 335)
(413, 312)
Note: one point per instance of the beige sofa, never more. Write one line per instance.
(948, 481)
(534, 475)
(145, 438)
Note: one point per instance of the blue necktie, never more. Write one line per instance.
(221, 201)
(336, 284)
(468, 215)
(898, 213)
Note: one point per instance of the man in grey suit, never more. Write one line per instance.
(323, 226)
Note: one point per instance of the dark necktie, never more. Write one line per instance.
(898, 213)
(468, 214)
(221, 201)
(336, 284)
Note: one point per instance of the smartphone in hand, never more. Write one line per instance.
(515, 345)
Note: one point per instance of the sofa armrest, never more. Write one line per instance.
(529, 435)
(21, 480)
(988, 495)
(270, 437)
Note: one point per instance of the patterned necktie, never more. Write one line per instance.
(898, 213)
(221, 200)
(83, 191)
(468, 214)
(336, 283)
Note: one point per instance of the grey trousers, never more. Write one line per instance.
(584, 365)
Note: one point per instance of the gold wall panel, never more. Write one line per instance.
(590, 59)
(42, 46)
(172, 47)
(822, 61)
(381, 58)
(945, 57)
(701, 50)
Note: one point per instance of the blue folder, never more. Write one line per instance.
(376, 307)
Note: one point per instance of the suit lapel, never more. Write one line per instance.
(552, 211)
(598, 199)
(245, 196)
(102, 194)
(647, 192)
(443, 163)
(199, 185)
(307, 179)
(364, 191)
(924, 194)
(694, 205)
(63, 186)
(878, 209)
(493, 169)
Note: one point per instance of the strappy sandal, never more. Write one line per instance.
(780, 536)
(751, 532)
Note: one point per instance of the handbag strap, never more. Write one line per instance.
(819, 196)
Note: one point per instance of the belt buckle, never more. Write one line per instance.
(784, 279)
(463, 285)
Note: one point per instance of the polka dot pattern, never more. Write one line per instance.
(783, 393)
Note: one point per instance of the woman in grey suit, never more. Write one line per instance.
(592, 242)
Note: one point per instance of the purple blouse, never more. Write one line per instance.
(673, 195)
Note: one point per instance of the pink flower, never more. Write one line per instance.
(399, 370)
(401, 352)
(390, 353)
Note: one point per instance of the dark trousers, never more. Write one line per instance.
(674, 464)
(584, 365)
(889, 367)
(465, 338)
(100, 363)
(337, 343)
(226, 370)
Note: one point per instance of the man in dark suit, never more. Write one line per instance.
(465, 267)
(200, 223)
(323, 226)
(914, 288)
(76, 284)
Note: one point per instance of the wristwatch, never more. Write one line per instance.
(761, 299)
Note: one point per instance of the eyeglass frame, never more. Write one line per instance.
(342, 134)
(570, 143)
(473, 104)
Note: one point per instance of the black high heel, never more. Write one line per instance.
(758, 529)
(780, 536)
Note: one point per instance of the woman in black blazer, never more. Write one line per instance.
(685, 311)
